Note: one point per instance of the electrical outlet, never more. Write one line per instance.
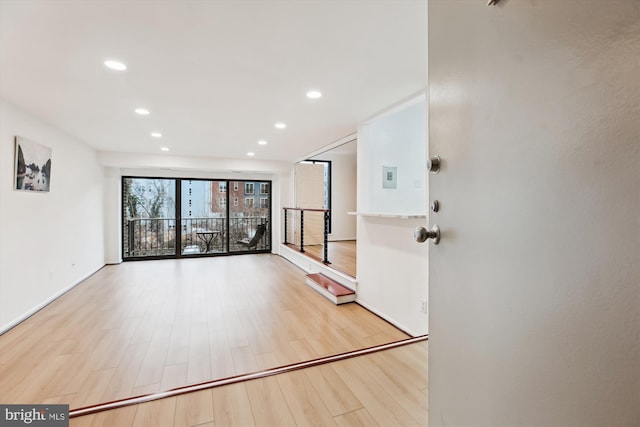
(423, 306)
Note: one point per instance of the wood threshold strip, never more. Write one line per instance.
(115, 404)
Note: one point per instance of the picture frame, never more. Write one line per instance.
(32, 168)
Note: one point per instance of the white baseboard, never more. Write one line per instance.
(387, 318)
(48, 301)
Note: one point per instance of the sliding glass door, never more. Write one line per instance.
(148, 217)
(164, 218)
(249, 215)
(203, 216)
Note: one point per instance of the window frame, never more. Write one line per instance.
(223, 190)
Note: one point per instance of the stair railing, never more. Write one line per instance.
(325, 237)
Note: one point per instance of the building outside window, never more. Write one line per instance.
(223, 187)
(264, 188)
(248, 188)
(248, 202)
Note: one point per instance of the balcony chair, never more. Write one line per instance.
(256, 237)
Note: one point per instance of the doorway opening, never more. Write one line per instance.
(326, 183)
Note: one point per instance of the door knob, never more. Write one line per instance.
(421, 234)
(433, 164)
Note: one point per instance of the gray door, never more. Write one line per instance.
(535, 285)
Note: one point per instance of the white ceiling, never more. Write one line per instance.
(216, 75)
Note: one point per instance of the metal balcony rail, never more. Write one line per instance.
(297, 223)
(157, 236)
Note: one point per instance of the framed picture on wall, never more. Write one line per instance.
(32, 166)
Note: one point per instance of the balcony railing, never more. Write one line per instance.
(246, 227)
(156, 237)
(307, 227)
(149, 237)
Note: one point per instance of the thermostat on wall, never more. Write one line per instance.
(389, 177)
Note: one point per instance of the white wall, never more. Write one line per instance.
(395, 138)
(343, 194)
(112, 215)
(392, 269)
(173, 164)
(48, 241)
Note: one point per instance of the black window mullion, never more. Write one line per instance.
(228, 221)
(178, 216)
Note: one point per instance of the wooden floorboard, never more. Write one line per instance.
(342, 255)
(142, 327)
(371, 390)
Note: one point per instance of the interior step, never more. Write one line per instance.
(330, 289)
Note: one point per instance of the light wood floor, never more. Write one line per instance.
(342, 255)
(388, 388)
(143, 327)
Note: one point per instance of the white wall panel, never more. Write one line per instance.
(48, 241)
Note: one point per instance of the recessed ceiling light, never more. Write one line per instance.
(262, 142)
(115, 65)
(280, 125)
(314, 94)
(156, 134)
(164, 148)
(251, 153)
(142, 111)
